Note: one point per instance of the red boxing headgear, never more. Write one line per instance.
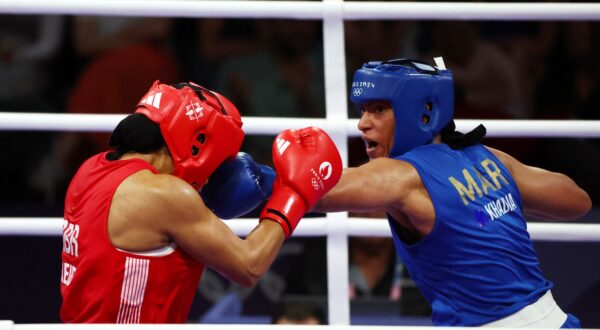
(201, 128)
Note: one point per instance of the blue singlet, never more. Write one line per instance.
(478, 264)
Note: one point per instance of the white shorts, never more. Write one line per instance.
(543, 313)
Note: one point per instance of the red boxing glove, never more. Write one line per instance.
(308, 165)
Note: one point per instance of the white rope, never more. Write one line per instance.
(471, 11)
(10, 326)
(19, 121)
(312, 227)
(168, 8)
(534, 128)
(350, 10)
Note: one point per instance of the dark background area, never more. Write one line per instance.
(68, 64)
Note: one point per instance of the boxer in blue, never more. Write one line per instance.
(456, 208)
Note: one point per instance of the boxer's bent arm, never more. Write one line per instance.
(545, 194)
(378, 184)
(205, 237)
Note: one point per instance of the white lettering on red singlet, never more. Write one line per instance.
(70, 247)
(67, 273)
(70, 235)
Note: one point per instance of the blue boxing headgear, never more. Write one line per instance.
(421, 96)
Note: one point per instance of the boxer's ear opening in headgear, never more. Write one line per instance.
(135, 133)
(428, 106)
(425, 119)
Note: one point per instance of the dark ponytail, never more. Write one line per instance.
(135, 133)
(458, 140)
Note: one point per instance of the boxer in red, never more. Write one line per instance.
(137, 234)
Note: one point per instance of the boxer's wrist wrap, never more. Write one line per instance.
(285, 207)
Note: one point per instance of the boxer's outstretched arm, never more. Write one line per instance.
(380, 183)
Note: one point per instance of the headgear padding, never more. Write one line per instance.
(422, 98)
(201, 128)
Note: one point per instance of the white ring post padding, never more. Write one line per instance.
(314, 227)
(351, 10)
(336, 113)
(20, 121)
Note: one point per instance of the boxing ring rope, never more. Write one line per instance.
(336, 226)
(309, 9)
(8, 325)
(63, 122)
(312, 227)
(11, 326)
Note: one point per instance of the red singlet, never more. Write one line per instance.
(102, 284)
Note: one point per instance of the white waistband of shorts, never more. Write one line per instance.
(543, 313)
(161, 252)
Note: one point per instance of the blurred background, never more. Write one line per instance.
(93, 64)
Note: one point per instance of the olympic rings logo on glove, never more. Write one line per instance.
(315, 184)
(357, 91)
(325, 171)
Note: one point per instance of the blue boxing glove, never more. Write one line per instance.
(238, 186)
